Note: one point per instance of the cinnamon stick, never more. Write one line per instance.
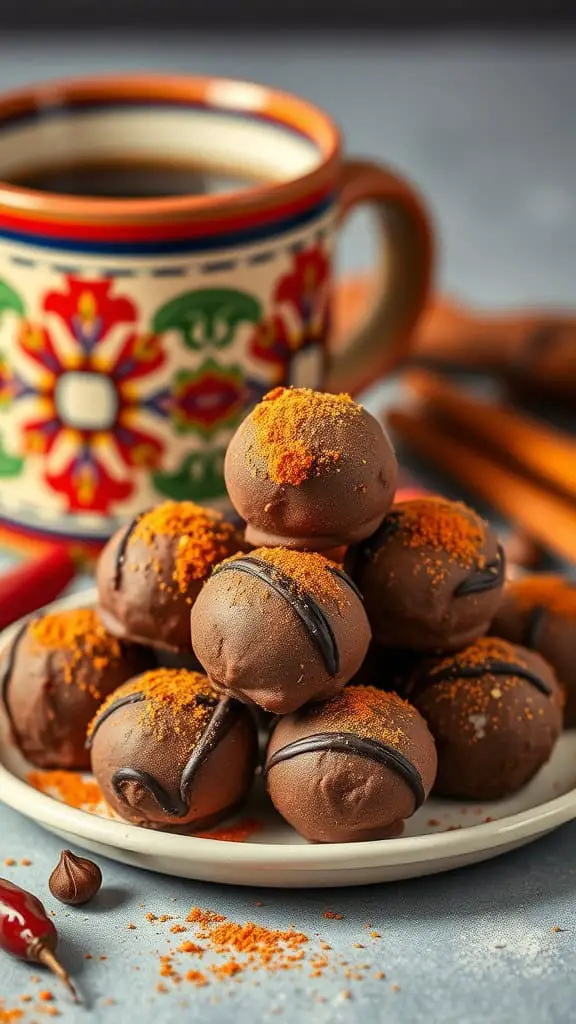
(550, 520)
(531, 445)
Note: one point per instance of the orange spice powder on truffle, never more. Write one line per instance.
(368, 711)
(486, 648)
(204, 538)
(309, 572)
(449, 528)
(285, 437)
(479, 702)
(555, 593)
(171, 701)
(87, 645)
(442, 525)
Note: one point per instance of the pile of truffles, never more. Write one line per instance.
(375, 642)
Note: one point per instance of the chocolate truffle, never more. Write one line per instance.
(152, 570)
(351, 769)
(431, 576)
(170, 753)
(279, 628)
(54, 675)
(495, 711)
(540, 613)
(310, 470)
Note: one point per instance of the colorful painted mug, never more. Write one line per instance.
(134, 332)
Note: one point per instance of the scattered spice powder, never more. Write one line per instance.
(204, 538)
(232, 949)
(9, 1016)
(448, 529)
(87, 644)
(226, 970)
(177, 929)
(237, 833)
(197, 978)
(69, 787)
(174, 698)
(9, 862)
(131, 927)
(45, 996)
(555, 593)
(286, 436)
(25, 863)
(190, 947)
(205, 917)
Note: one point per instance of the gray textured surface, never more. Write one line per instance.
(487, 130)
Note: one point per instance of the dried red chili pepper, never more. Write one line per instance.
(26, 932)
(34, 583)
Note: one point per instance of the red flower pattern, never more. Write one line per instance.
(80, 441)
(301, 313)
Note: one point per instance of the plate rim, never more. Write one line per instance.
(50, 812)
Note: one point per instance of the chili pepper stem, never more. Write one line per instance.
(46, 957)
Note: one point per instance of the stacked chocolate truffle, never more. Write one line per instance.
(362, 624)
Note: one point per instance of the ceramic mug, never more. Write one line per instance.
(135, 332)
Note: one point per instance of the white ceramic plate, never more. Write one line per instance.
(443, 835)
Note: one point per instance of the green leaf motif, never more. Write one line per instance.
(9, 299)
(199, 478)
(10, 465)
(209, 316)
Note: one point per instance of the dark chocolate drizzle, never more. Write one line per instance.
(170, 805)
(388, 527)
(9, 667)
(350, 743)
(122, 549)
(423, 681)
(227, 713)
(130, 698)
(311, 615)
(534, 626)
(488, 578)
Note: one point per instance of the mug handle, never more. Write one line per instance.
(403, 286)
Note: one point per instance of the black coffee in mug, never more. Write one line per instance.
(125, 179)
